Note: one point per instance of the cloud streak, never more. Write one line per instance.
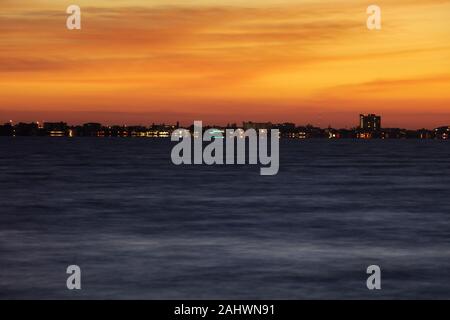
(244, 54)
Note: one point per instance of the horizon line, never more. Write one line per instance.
(229, 125)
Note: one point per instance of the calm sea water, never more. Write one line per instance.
(140, 227)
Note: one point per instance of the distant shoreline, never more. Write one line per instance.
(369, 127)
(287, 130)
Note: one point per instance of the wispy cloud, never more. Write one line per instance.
(231, 51)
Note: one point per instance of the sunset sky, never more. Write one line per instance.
(302, 61)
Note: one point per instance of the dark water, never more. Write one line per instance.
(140, 227)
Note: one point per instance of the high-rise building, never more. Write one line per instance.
(370, 122)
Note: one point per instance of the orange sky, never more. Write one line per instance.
(304, 61)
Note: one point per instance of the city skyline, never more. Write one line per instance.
(356, 123)
(305, 61)
(369, 127)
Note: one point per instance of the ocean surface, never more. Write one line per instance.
(142, 228)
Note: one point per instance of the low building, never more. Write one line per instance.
(7, 130)
(442, 133)
(55, 129)
(257, 125)
(26, 129)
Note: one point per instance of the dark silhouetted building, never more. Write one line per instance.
(442, 133)
(7, 130)
(287, 129)
(369, 126)
(92, 129)
(56, 129)
(27, 129)
(257, 125)
(424, 134)
(393, 133)
(369, 122)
